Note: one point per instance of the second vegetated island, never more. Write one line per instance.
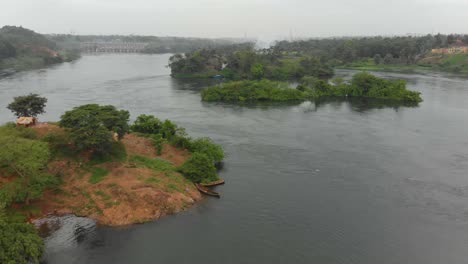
(362, 85)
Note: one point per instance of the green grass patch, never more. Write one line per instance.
(152, 180)
(98, 174)
(154, 164)
(173, 188)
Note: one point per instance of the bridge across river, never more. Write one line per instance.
(113, 47)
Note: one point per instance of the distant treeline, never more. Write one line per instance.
(238, 62)
(155, 44)
(402, 49)
(23, 49)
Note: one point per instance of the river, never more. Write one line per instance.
(336, 182)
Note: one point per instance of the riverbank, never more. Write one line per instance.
(26, 63)
(23, 49)
(134, 186)
(340, 156)
(450, 63)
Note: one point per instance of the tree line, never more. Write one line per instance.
(244, 62)
(400, 49)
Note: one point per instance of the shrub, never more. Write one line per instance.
(10, 129)
(168, 129)
(34, 187)
(199, 168)
(263, 90)
(147, 124)
(19, 244)
(158, 141)
(207, 147)
(26, 158)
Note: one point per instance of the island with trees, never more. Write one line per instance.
(94, 163)
(240, 62)
(249, 75)
(362, 85)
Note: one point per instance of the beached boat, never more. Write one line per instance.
(207, 191)
(213, 183)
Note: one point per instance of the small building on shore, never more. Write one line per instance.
(457, 48)
(26, 121)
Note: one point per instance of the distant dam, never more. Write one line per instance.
(113, 47)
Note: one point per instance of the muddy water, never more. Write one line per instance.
(335, 182)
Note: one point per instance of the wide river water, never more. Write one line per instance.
(336, 182)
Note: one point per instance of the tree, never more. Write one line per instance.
(451, 39)
(30, 105)
(465, 39)
(257, 71)
(346, 51)
(377, 59)
(91, 126)
(388, 59)
(363, 82)
(6, 49)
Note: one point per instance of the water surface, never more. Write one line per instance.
(335, 182)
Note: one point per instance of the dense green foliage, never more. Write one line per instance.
(362, 85)
(247, 64)
(147, 124)
(28, 105)
(406, 53)
(19, 243)
(263, 90)
(91, 126)
(199, 168)
(208, 147)
(27, 159)
(160, 131)
(24, 49)
(405, 49)
(167, 131)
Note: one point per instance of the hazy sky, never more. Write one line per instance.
(265, 19)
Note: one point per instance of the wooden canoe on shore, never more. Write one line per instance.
(207, 191)
(213, 183)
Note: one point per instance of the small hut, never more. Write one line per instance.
(26, 121)
(115, 136)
